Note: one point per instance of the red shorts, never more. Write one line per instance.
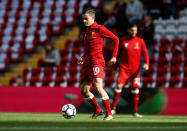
(125, 76)
(89, 72)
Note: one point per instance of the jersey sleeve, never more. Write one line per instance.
(145, 53)
(108, 34)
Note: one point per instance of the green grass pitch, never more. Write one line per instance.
(82, 122)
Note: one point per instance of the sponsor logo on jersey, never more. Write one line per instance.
(137, 46)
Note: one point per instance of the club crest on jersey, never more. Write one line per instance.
(126, 45)
(137, 46)
(92, 35)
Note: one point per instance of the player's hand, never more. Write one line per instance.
(146, 66)
(80, 61)
(113, 60)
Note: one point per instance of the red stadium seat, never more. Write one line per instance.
(174, 81)
(149, 73)
(164, 42)
(177, 41)
(58, 81)
(176, 61)
(64, 61)
(60, 71)
(48, 71)
(185, 82)
(185, 51)
(185, 71)
(12, 81)
(147, 81)
(36, 71)
(76, 51)
(185, 62)
(162, 71)
(162, 61)
(34, 80)
(46, 80)
(177, 51)
(161, 81)
(152, 61)
(63, 52)
(73, 60)
(72, 70)
(71, 81)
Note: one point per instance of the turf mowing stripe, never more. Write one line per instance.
(86, 128)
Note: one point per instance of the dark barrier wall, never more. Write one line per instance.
(171, 101)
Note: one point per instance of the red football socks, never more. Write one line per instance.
(106, 103)
(94, 103)
(135, 99)
(115, 99)
(117, 93)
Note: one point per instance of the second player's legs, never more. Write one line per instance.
(122, 78)
(135, 95)
(117, 93)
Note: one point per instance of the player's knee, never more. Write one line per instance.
(120, 86)
(84, 92)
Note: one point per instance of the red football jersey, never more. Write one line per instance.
(93, 44)
(131, 50)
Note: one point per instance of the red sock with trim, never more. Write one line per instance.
(94, 103)
(115, 99)
(106, 103)
(117, 93)
(135, 99)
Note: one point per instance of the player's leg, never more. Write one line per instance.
(122, 78)
(85, 91)
(98, 84)
(135, 96)
(117, 93)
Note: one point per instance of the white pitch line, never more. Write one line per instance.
(86, 128)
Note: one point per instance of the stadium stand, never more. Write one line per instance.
(25, 24)
(169, 52)
(29, 23)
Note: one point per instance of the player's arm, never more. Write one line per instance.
(108, 34)
(146, 56)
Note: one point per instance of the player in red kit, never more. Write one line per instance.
(94, 64)
(131, 49)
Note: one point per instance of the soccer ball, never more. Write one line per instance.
(68, 111)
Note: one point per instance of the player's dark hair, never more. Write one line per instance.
(90, 12)
(132, 25)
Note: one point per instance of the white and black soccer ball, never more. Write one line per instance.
(68, 111)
